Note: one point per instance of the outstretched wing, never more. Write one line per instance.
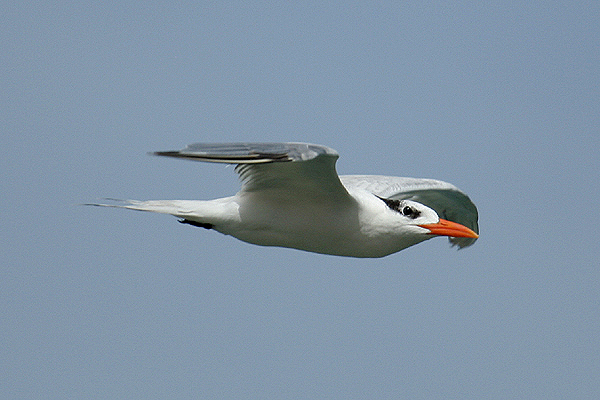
(279, 170)
(446, 199)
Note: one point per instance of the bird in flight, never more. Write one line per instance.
(292, 196)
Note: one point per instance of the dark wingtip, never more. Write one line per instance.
(164, 153)
(204, 225)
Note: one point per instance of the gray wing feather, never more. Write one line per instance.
(446, 199)
(250, 153)
(274, 169)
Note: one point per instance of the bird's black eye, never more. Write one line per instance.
(410, 212)
(400, 207)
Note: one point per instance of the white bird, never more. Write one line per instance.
(292, 196)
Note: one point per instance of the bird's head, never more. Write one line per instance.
(421, 222)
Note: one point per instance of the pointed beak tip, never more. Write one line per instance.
(449, 228)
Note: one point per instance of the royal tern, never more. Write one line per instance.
(292, 196)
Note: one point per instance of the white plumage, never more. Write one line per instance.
(291, 196)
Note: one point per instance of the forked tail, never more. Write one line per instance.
(203, 214)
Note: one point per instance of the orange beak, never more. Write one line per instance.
(449, 228)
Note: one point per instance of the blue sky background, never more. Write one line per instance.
(503, 100)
